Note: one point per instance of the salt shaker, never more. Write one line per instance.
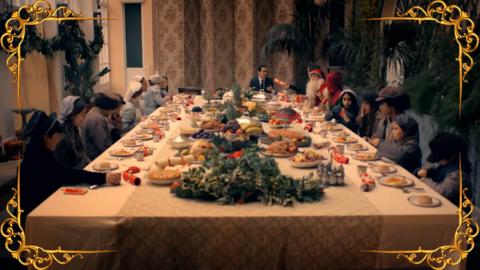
(139, 155)
(156, 137)
(332, 181)
(340, 176)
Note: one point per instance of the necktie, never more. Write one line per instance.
(261, 84)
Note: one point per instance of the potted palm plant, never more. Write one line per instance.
(302, 36)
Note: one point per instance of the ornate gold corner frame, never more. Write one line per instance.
(11, 41)
(450, 15)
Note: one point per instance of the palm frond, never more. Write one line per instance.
(283, 38)
(399, 40)
(345, 46)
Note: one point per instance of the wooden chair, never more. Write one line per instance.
(190, 90)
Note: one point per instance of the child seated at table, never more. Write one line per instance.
(131, 113)
(40, 174)
(368, 117)
(404, 148)
(346, 111)
(443, 174)
(70, 152)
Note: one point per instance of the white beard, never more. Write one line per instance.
(312, 90)
(313, 87)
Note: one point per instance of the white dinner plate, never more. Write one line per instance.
(112, 166)
(435, 202)
(387, 181)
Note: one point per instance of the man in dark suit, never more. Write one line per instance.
(262, 81)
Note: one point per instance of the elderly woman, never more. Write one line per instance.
(157, 93)
(95, 130)
(404, 148)
(443, 174)
(70, 151)
(131, 113)
(40, 173)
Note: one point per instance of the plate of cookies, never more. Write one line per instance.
(424, 201)
(357, 147)
(383, 168)
(163, 177)
(131, 143)
(143, 137)
(395, 181)
(344, 139)
(121, 153)
(105, 166)
(365, 156)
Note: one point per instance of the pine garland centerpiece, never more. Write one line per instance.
(244, 176)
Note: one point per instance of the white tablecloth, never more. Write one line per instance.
(100, 219)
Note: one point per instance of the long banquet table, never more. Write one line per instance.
(152, 229)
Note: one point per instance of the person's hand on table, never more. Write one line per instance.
(422, 173)
(271, 90)
(375, 141)
(113, 179)
(343, 114)
(363, 109)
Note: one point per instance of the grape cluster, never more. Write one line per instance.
(201, 134)
(231, 126)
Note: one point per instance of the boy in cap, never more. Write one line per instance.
(392, 102)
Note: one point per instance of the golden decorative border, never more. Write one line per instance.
(450, 15)
(11, 229)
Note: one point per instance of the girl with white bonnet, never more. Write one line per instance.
(131, 113)
(157, 93)
(70, 151)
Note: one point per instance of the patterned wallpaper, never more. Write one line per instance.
(223, 35)
(207, 44)
(169, 41)
(192, 48)
(283, 65)
(263, 14)
(243, 42)
(212, 43)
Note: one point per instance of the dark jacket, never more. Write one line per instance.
(70, 151)
(96, 134)
(367, 125)
(255, 82)
(446, 181)
(335, 114)
(406, 153)
(41, 176)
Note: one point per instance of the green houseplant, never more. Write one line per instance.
(80, 54)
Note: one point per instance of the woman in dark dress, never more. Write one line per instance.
(40, 174)
(70, 152)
